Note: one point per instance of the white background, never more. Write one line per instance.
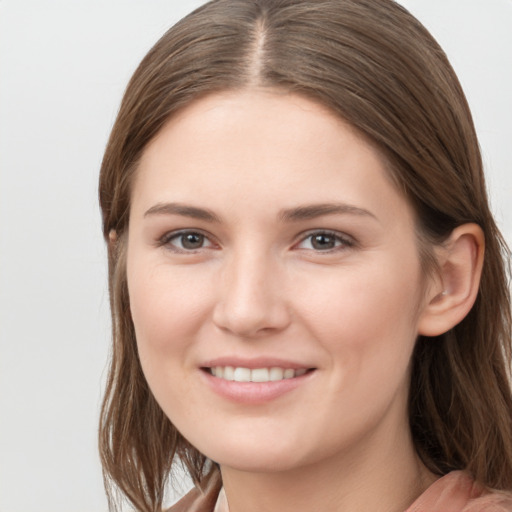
(63, 67)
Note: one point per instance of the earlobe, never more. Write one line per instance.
(455, 289)
(112, 237)
(113, 242)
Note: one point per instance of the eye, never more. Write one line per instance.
(185, 241)
(325, 241)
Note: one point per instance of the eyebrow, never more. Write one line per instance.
(183, 210)
(318, 210)
(299, 213)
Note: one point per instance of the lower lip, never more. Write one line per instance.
(254, 392)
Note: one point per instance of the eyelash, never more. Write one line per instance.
(342, 242)
(167, 239)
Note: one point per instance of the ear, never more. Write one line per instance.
(112, 237)
(113, 243)
(453, 291)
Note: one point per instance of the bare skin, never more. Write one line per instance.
(264, 232)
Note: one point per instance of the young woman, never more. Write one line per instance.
(308, 290)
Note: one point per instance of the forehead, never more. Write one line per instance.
(262, 147)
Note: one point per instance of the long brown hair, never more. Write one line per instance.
(378, 68)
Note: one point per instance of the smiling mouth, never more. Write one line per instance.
(241, 374)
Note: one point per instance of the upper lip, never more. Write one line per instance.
(252, 363)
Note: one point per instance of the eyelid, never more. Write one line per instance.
(347, 241)
(166, 239)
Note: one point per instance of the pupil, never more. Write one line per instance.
(323, 242)
(192, 241)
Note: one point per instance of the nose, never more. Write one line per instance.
(251, 297)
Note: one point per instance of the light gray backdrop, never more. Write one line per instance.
(63, 67)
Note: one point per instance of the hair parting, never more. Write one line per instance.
(375, 66)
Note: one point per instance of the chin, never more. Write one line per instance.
(257, 462)
(258, 457)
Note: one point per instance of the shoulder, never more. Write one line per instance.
(458, 492)
(200, 500)
(490, 501)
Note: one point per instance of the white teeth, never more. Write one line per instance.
(260, 375)
(276, 373)
(240, 374)
(289, 373)
(229, 373)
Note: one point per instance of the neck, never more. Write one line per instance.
(383, 478)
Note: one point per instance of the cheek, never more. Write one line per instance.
(166, 311)
(366, 321)
(377, 296)
(167, 307)
(366, 325)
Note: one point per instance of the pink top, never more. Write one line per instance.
(454, 492)
(458, 492)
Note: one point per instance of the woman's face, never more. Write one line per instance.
(274, 282)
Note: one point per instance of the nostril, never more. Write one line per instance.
(251, 320)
